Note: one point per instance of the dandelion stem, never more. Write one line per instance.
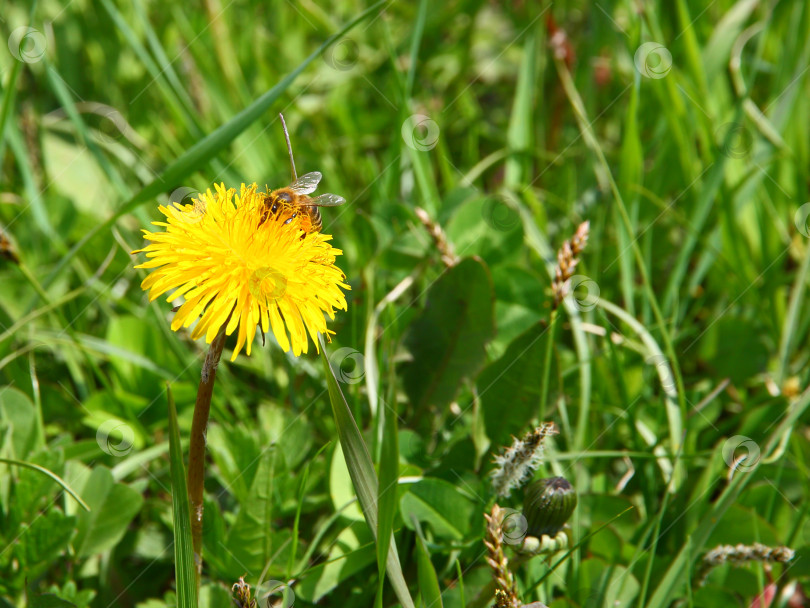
(196, 451)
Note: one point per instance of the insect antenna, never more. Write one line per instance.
(289, 147)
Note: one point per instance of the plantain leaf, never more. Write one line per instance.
(510, 387)
(447, 340)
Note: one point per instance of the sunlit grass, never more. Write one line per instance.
(676, 370)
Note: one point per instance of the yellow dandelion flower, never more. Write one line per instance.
(238, 268)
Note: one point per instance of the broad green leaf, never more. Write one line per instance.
(30, 490)
(352, 552)
(215, 596)
(49, 600)
(735, 348)
(112, 507)
(18, 412)
(605, 584)
(340, 487)
(184, 570)
(488, 227)
(44, 539)
(85, 184)
(743, 525)
(70, 593)
(520, 303)
(447, 341)
(251, 540)
(439, 504)
(291, 431)
(235, 452)
(509, 388)
(136, 348)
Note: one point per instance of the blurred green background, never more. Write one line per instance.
(677, 369)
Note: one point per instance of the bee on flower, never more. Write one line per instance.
(240, 267)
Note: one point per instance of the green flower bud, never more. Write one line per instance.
(547, 505)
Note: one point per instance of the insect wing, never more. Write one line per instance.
(327, 200)
(306, 184)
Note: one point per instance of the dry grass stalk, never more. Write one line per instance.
(567, 260)
(741, 554)
(506, 595)
(449, 257)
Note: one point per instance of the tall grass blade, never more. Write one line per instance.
(361, 470)
(184, 570)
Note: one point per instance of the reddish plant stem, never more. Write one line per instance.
(196, 451)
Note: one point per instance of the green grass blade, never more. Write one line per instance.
(62, 483)
(10, 92)
(8, 102)
(39, 209)
(387, 491)
(790, 329)
(181, 516)
(361, 470)
(698, 217)
(664, 371)
(428, 581)
(603, 168)
(65, 97)
(177, 99)
(418, 30)
(519, 136)
(679, 568)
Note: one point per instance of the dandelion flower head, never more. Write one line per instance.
(240, 267)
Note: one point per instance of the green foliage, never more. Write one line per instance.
(676, 373)
(447, 341)
(510, 386)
